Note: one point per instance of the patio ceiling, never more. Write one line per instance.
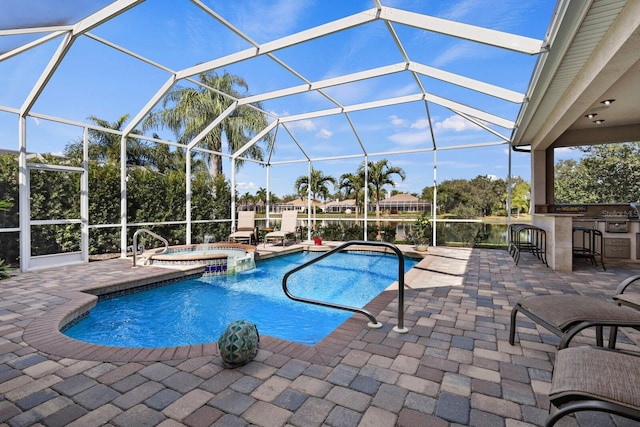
(595, 56)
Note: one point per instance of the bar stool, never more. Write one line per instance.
(587, 243)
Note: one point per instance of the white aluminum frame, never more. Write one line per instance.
(389, 15)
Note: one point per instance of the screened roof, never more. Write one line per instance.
(337, 80)
(447, 86)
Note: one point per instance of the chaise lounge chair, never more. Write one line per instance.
(287, 228)
(567, 315)
(246, 231)
(630, 299)
(594, 379)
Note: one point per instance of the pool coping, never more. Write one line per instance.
(44, 332)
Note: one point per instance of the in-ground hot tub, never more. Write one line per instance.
(217, 258)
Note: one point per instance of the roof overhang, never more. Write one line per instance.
(594, 56)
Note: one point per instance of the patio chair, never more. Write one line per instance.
(567, 315)
(630, 299)
(246, 230)
(287, 228)
(594, 379)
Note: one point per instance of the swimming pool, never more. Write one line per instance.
(197, 310)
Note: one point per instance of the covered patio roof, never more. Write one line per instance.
(595, 58)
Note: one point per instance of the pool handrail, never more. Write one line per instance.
(135, 243)
(373, 323)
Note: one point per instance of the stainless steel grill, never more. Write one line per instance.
(618, 225)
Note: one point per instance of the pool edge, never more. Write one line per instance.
(44, 332)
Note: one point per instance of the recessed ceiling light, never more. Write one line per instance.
(607, 102)
(591, 115)
(598, 122)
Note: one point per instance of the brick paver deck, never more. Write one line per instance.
(454, 366)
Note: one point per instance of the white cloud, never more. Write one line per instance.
(353, 93)
(420, 124)
(456, 123)
(409, 89)
(506, 15)
(397, 121)
(266, 20)
(410, 138)
(458, 11)
(246, 186)
(324, 133)
(303, 125)
(463, 51)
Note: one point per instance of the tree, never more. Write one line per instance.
(606, 173)
(353, 186)
(167, 158)
(104, 147)
(289, 198)
(456, 192)
(9, 217)
(520, 196)
(261, 196)
(380, 174)
(427, 193)
(247, 200)
(186, 111)
(5, 205)
(317, 187)
(487, 193)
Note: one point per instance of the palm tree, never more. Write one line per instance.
(105, 146)
(169, 158)
(247, 200)
(317, 188)
(186, 111)
(352, 185)
(380, 174)
(261, 196)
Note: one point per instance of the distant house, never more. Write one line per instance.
(341, 206)
(299, 205)
(395, 204)
(403, 203)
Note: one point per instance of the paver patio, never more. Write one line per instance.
(454, 366)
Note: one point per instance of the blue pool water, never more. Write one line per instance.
(198, 310)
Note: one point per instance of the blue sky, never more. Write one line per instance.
(96, 80)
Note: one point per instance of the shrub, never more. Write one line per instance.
(3, 270)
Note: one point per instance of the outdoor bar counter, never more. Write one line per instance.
(618, 224)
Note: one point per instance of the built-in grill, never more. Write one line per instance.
(607, 231)
(617, 221)
(617, 225)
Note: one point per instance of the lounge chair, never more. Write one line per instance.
(246, 230)
(630, 299)
(567, 315)
(594, 379)
(287, 228)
